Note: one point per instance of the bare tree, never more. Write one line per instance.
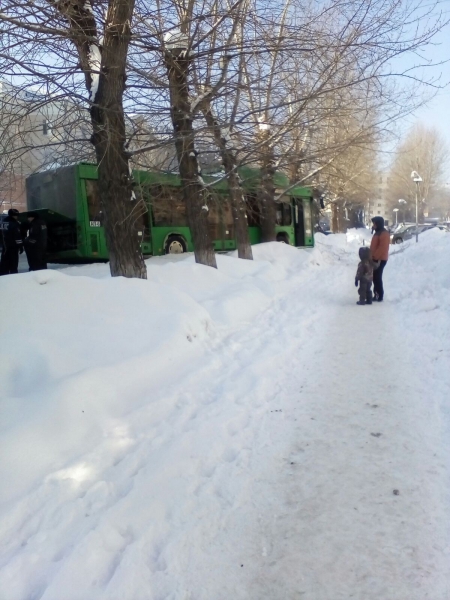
(298, 87)
(423, 150)
(64, 40)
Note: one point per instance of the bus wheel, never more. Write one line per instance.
(175, 245)
(283, 238)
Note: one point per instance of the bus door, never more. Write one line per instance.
(220, 223)
(142, 219)
(95, 237)
(215, 224)
(299, 222)
(228, 232)
(307, 219)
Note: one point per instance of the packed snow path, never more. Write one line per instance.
(303, 455)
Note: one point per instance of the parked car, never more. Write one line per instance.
(407, 232)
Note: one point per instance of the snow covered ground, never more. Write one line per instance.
(247, 433)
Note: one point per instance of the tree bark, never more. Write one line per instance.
(334, 217)
(195, 196)
(118, 201)
(237, 197)
(268, 206)
(122, 210)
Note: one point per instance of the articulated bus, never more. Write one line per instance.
(68, 200)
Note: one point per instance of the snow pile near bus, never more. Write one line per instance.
(79, 345)
(232, 294)
(58, 325)
(74, 345)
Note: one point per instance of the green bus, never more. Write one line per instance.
(69, 202)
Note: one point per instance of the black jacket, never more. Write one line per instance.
(11, 238)
(37, 235)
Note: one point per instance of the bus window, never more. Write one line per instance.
(253, 210)
(284, 214)
(93, 203)
(287, 214)
(214, 220)
(168, 206)
(279, 214)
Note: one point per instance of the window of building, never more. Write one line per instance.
(379, 205)
(379, 212)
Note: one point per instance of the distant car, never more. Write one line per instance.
(321, 229)
(407, 232)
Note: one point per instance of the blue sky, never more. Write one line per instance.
(437, 111)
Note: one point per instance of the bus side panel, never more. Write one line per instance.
(254, 235)
(160, 235)
(288, 230)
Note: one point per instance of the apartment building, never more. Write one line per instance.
(38, 132)
(378, 205)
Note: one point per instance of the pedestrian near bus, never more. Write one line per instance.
(12, 243)
(36, 242)
(379, 250)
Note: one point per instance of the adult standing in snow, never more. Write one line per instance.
(11, 243)
(379, 249)
(36, 242)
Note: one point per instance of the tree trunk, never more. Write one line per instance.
(104, 70)
(334, 217)
(122, 210)
(194, 193)
(268, 206)
(237, 198)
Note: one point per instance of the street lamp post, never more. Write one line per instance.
(417, 179)
(403, 202)
(396, 211)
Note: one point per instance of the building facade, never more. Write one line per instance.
(378, 205)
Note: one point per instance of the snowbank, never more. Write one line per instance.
(420, 274)
(360, 235)
(80, 348)
(204, 434)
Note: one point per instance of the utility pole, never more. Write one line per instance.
(417, 179)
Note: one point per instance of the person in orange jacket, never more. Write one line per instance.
(379, 250)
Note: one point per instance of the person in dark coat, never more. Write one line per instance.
(379, 249)
(364, 276)
(12, 244)
(36, 242)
